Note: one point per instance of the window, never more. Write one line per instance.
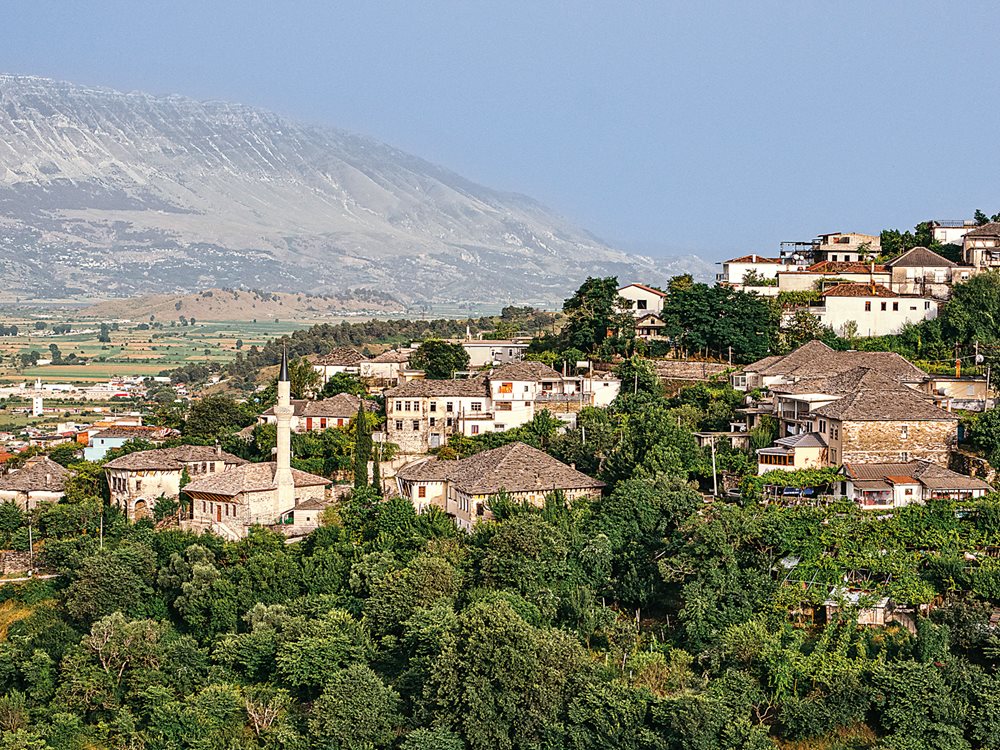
(822, 426)
(833, 455)
(406, 406)
(399, 406)
(640, 304)
(506, 388)
(399, 424)
(883, 307)
(895, 307)
(927, 305)
(475, 429)
(211, 467)
(504, 406)
(908, 491)
(203, 507)
(449, 406)
(904, 431)
(416, 425)
(138, 485)
(476, 406)
(833, 258)
(449, 422)
(433, 406)
(421, 492)
(432, 421)
(868, 306)
(322, 423)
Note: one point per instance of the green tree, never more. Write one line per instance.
(215, 416)
(440, 360)
(596, 313)
(362, 447)
(343, 382)
(356, 711)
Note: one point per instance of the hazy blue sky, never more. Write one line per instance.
(707, 127)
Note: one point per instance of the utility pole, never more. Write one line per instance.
(715, 478)
(31, 548)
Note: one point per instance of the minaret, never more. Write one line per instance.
(283, 412)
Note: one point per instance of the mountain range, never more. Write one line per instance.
(112, 194)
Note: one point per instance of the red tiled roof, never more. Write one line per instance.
(859, 290)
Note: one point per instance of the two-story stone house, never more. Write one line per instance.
(981, 247)
(421, 414)
(463, 488)
(137, 480)
(40, 480)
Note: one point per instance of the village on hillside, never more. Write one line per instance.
(813, 437)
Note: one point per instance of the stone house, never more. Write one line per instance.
(316, 416)
(136, 480)
(386, 370)
(463, 488)
(881, 486)
(341, 359)
(41, 480)
(421, 414)
(247, 495)
(981, 247)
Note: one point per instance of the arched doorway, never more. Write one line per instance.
(140, 511)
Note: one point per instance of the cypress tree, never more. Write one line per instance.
(362, 448)
(376, 472)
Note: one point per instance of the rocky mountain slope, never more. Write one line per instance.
(129, 193)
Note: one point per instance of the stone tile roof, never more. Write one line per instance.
(990, 229)
(342, 356)
(889, 404)
(167, 459)
(842, 383)
(815, 359)
(248, 478)
(38, 476)
(920, 257)
(928, 474)
(341, 406)
(859, 290)
(513, 468)
(803, 440)
(393, 356)
(842, 266)
(470, 387)
(531, 371)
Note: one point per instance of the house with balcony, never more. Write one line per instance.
(922, 272)
(754, 273)
(981, 247)
(850, 247)
(951, 231)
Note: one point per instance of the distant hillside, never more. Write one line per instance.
(129, 193)
(229, 304)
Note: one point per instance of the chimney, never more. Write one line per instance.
(218, 450)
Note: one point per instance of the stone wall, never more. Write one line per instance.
(14, 562)
(874, 442)
(668, 369)
(974, 466)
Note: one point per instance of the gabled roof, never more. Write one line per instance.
(645, 289)
(920, 257)
(884, 404)
(859, 290)
(512, 468)
(530, 371)
(341, 406)
(41, 475)
(393, 356)
(171, 459)
(990, 229)
(926, 473)
(342, 356)
(249, 478)
(465, 387)
(815, 359)
(133, 432)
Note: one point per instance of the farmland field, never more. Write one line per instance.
(131, 351)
